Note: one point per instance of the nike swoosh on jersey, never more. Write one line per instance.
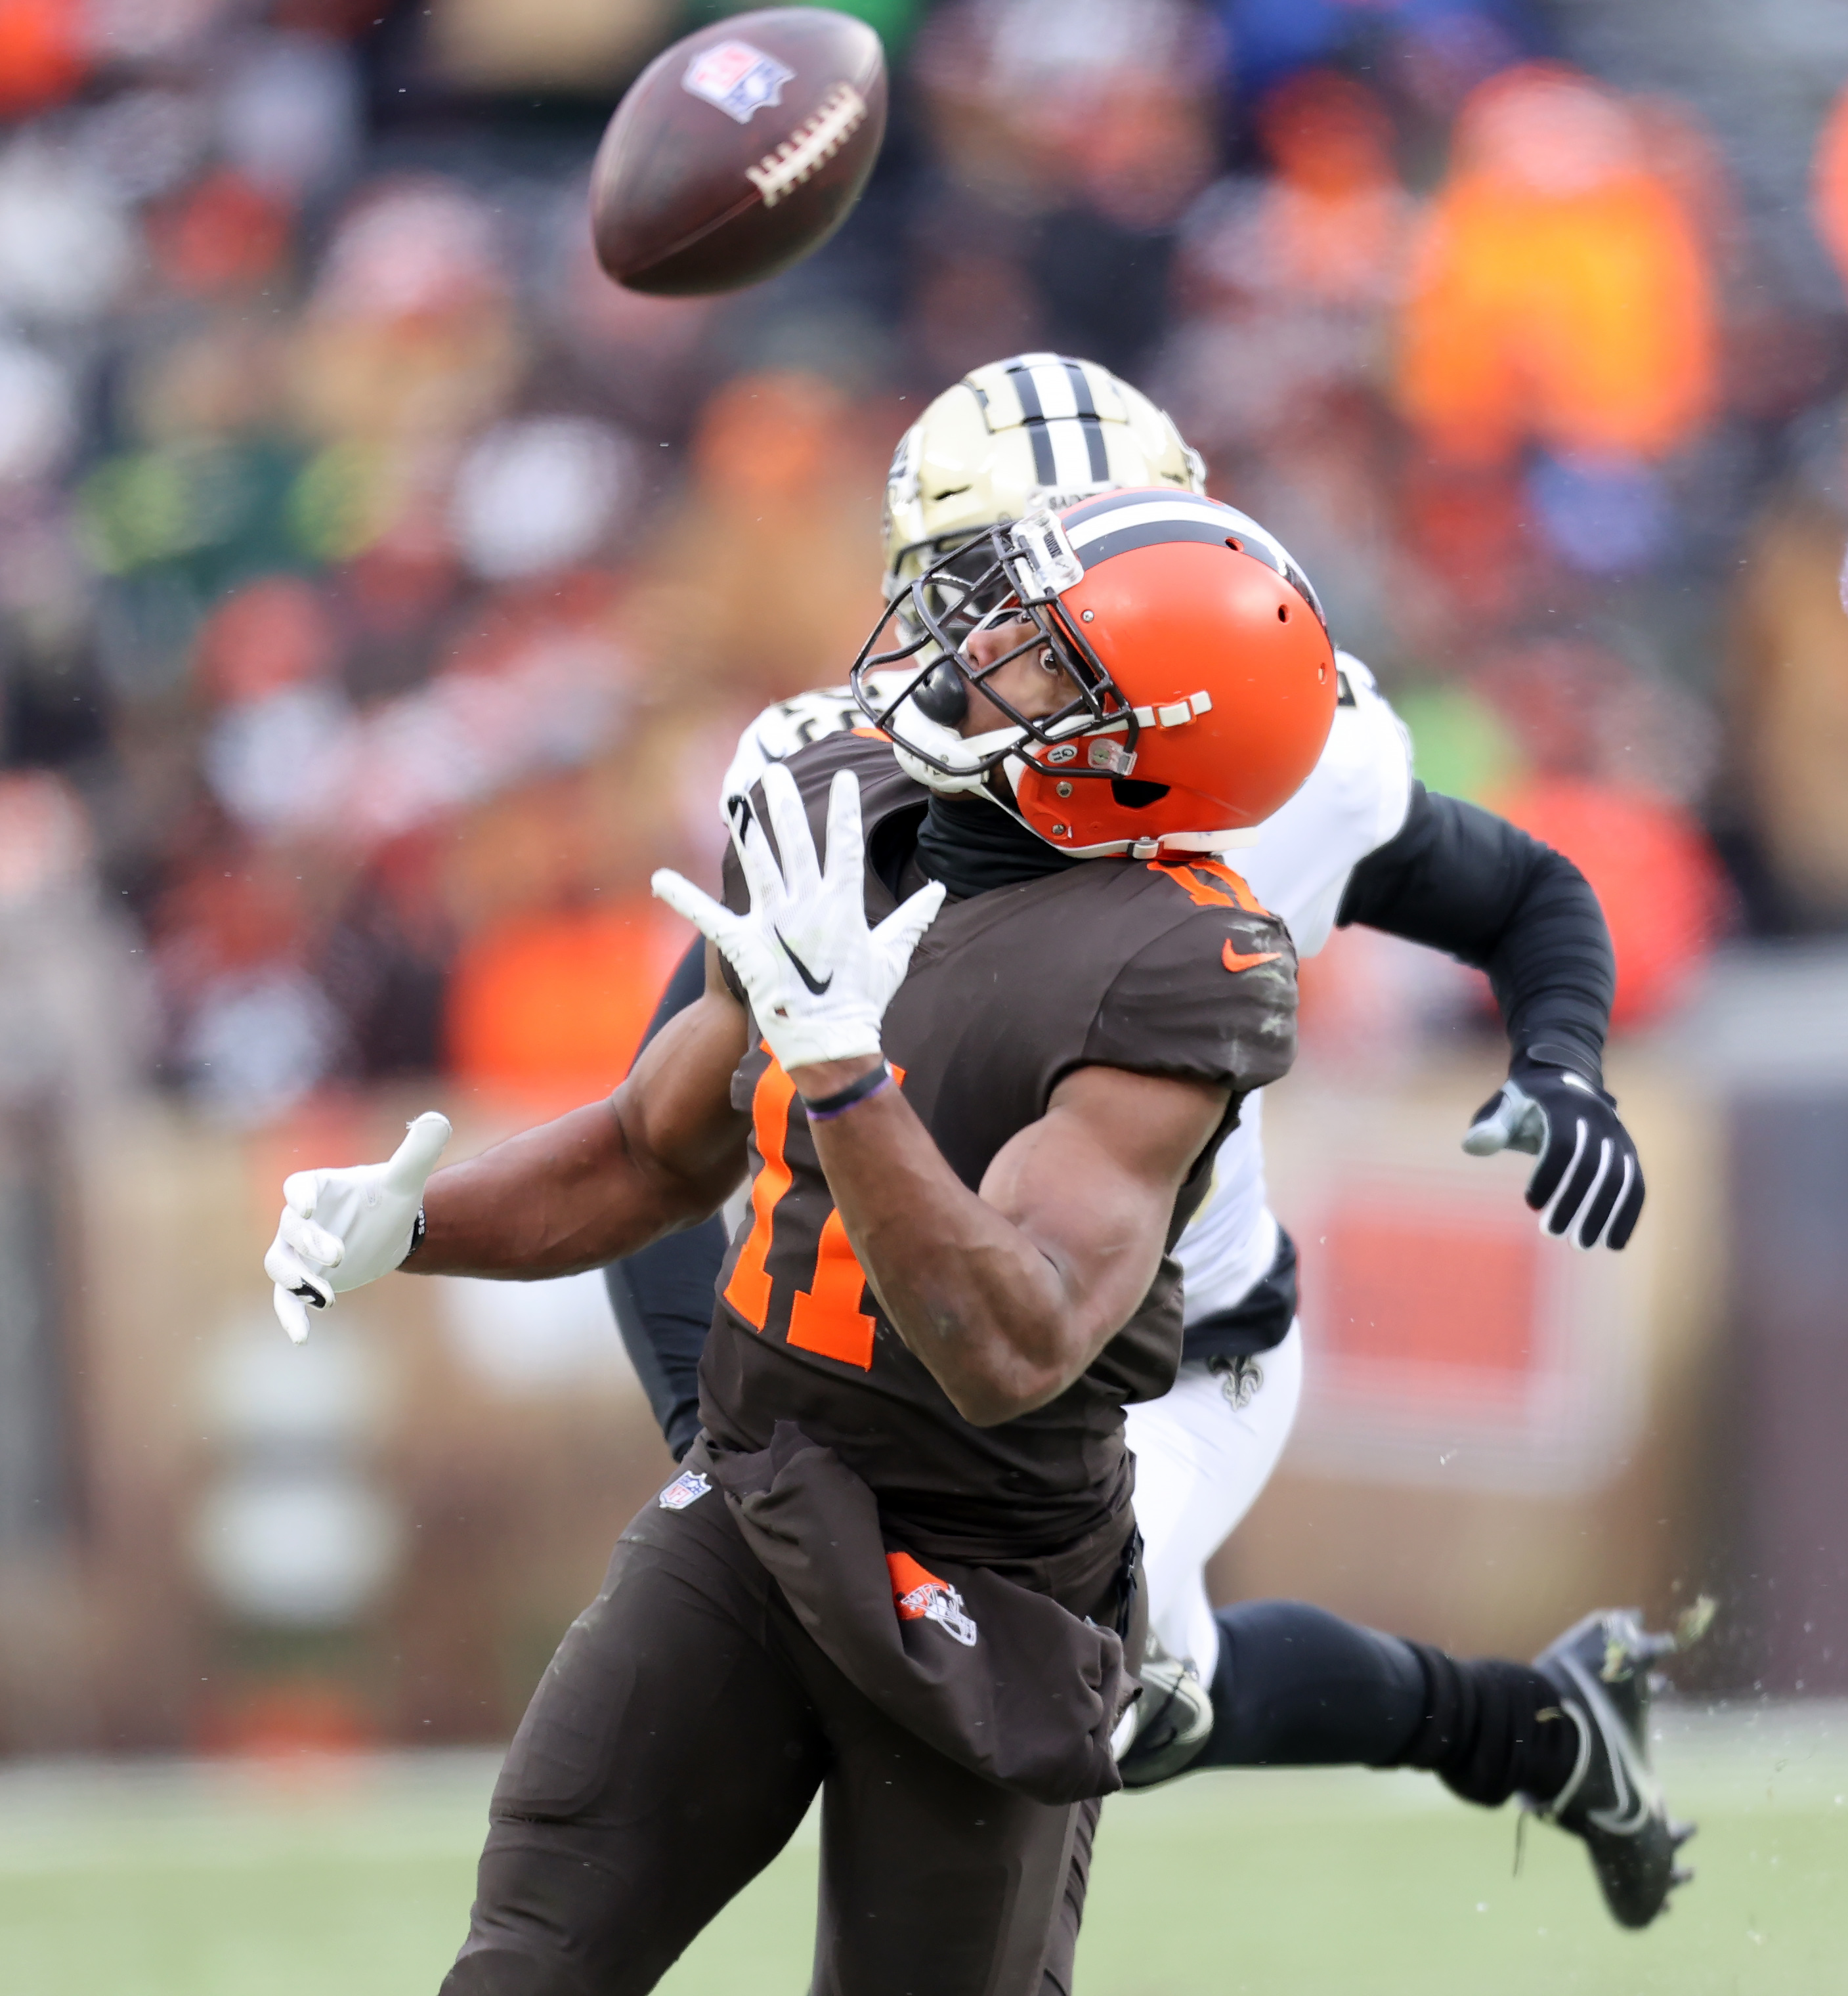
(820, 989)
(1227, 955)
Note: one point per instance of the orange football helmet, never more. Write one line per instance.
(1202, 679)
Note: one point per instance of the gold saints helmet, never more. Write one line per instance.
(1036, 430)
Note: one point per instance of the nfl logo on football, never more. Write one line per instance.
(688, 1488)
(739, 79)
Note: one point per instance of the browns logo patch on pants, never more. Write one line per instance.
(919, 1594)
(1024, 1692)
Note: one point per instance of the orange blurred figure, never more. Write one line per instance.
(765, 579)
(42, 58)
(1830, 188)
(271, 634)
(1334, 220)
(1287, 279)
(764, 439)
(1652, 870)
(292, 1725)
(1044, 103)
(226, 915)
(1786, 696)
(552, 1006)
(1561, 293)
(223, 233)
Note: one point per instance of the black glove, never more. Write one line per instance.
(1587, 1158)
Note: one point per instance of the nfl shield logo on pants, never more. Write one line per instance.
(688, 1488)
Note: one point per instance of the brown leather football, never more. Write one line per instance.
(739, 150)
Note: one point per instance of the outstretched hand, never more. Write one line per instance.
(819, 979)
(342, 1228)
(1589, 1183)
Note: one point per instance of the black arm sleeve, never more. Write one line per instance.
(1459, 878)
(662, 1294)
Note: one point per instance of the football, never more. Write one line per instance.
(738, 151)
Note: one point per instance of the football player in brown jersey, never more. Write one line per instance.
(900, 1564)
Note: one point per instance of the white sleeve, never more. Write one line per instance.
(779, 731)
(1354, 801)
(1381, 752)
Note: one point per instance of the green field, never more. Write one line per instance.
(172, 1881)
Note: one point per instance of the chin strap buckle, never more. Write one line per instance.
(1110, 755)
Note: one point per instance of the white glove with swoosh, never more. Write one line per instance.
(818, 978)
(343, 1228)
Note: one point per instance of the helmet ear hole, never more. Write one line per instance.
(1133, 794)
(1283, 613)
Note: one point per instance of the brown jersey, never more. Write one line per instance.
(1159, 970)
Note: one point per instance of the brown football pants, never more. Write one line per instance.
(671, 1750)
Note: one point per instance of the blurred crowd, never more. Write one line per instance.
(381, 590)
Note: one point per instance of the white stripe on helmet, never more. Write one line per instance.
(1072, 470)
(1155, 512)
(1054, 387)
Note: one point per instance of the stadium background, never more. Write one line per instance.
(381, 591)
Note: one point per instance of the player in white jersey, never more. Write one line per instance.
(1205, 1451)
(1360, 840)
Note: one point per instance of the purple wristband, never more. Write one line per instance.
(826, 1107)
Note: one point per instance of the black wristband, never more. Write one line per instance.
(868, 1084)
(418, 1231)
(1574, 1060)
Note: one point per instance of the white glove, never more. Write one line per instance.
(342, 1229)
(819, 980)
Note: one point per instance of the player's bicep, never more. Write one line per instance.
(676, 1107)
(1092, 1184)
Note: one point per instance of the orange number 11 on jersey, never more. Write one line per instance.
(826, 1317)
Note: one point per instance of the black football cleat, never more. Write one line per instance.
(1163, 1732)
(1601, 1669)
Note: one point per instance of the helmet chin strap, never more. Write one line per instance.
(1168, 844)
(997, 786)
(1000, 786)
(965, 777)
